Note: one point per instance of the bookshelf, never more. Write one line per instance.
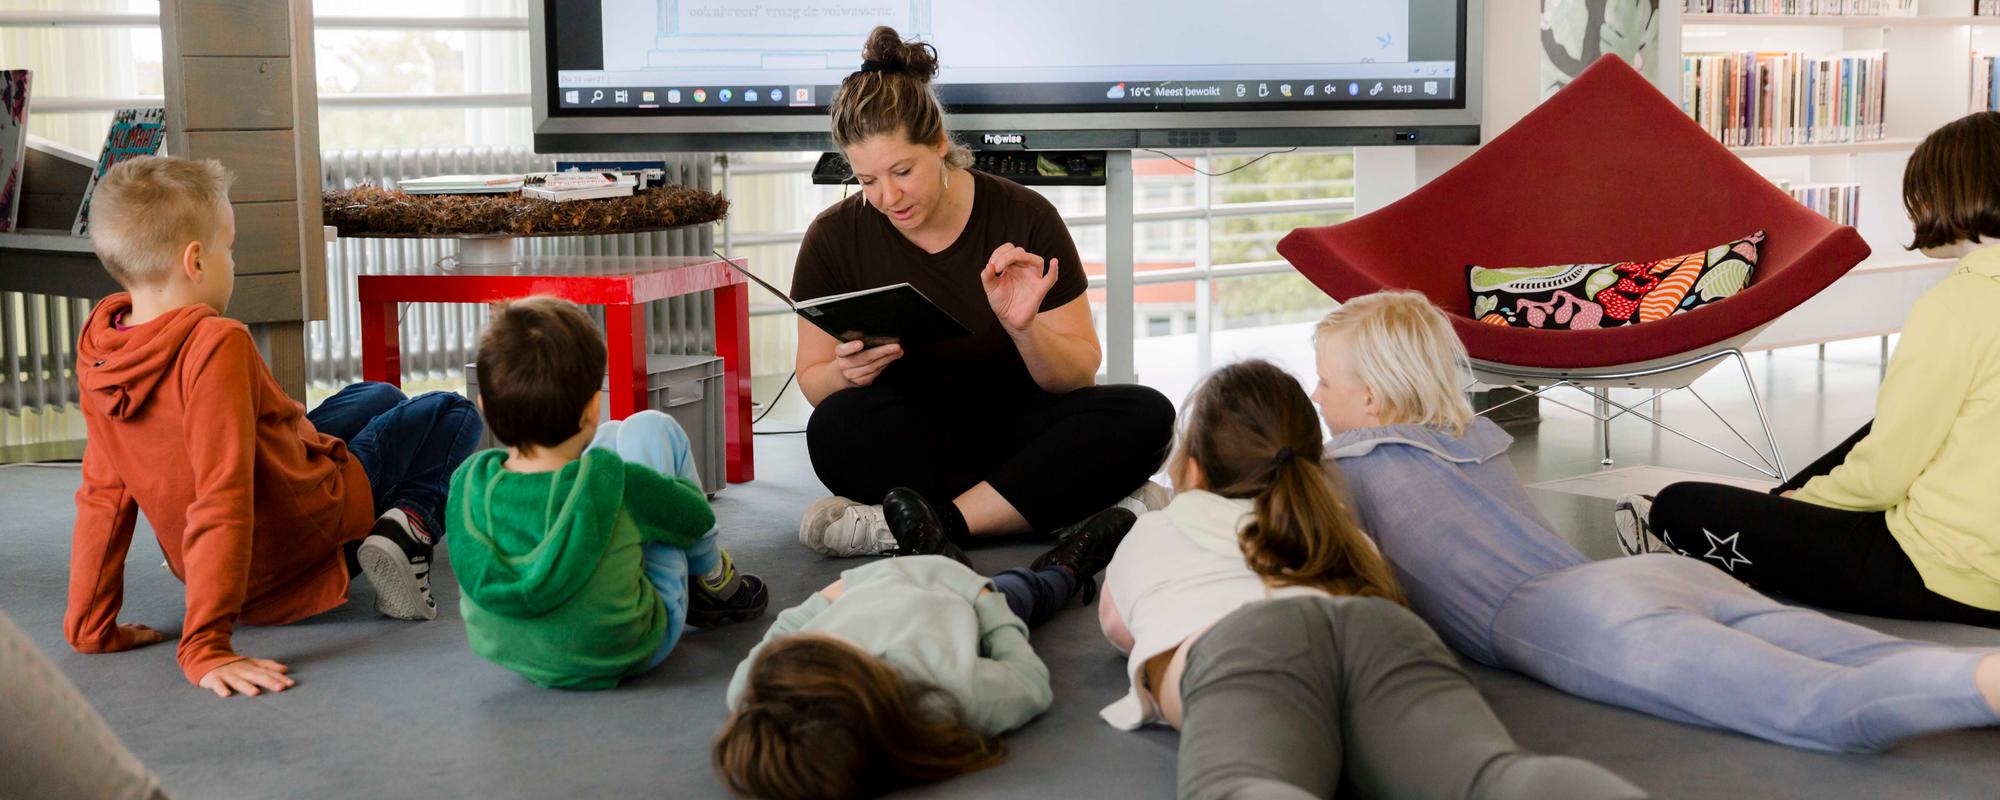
(1827, 149)
(1834, 20)
(1928, 82)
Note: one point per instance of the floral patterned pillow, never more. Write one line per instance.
(1586, 296)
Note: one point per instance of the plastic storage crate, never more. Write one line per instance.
(687, 388)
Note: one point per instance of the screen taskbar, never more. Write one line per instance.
(1108, 97)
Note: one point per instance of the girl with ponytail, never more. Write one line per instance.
(1261, 622)
(1657, 633)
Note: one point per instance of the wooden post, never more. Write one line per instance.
(240, 89)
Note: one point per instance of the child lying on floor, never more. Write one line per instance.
(582, 548)
(902, 672)
(1658, 633)
(1260, 622)
(264, 510)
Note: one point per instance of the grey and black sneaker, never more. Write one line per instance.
(737, 597)
(396, 557)
(1635, 528)
(1086, 548)
(916, 527)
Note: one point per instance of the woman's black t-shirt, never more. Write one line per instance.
(852, 246)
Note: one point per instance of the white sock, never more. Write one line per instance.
(1133, 505)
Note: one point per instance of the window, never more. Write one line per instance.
(455, 72)
(422, 75)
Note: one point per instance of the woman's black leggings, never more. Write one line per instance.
(1056, 458)
(1831, 558)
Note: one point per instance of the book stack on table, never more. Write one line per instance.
(562, 186)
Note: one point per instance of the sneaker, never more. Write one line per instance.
(1635, 530)
(842, 528)
(916, 527)
(396, 557)
(739, 597)
(1149, 496)
(1087, 546)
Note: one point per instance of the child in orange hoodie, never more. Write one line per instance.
(264, 511)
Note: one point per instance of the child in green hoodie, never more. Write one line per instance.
(583, 548)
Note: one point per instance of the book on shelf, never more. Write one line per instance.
(462, 184)
(1986, 8)
(134, 132)
(13, 142)
(1806, 8)
(1763, 99)
(1840, 202)
(1985, 76)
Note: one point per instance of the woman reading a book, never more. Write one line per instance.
(998, 432)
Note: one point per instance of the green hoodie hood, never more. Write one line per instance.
(512, 560)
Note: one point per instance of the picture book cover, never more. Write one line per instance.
(13, 142)
(877, 316)
(135, 132)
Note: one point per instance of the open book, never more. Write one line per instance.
(879, 316)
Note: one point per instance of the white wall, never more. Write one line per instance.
(1512, 88)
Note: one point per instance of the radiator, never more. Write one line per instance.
(439, 340)
(38, 350)
(38, 333)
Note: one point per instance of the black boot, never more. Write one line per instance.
(1086, 548)
(916, 527)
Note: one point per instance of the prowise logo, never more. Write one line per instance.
(1002, 138)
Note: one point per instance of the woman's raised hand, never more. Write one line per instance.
(1016, 282)
(860, 365)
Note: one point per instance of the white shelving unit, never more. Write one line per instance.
(1929, 74)
(1836, 20)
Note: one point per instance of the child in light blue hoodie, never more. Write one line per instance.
(1661, 634)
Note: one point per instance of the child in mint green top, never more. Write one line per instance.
(934, 620)
(903, 671)
(574, 546)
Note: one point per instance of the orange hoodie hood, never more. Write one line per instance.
(119, 370)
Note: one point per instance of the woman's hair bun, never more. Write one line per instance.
(887, 48)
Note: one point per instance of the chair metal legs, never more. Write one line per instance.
(1764, 419)
(1605, 409)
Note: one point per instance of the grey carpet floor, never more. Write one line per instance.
(404, 710)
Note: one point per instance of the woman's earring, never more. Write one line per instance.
(947, 177)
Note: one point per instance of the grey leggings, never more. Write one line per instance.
(1295, 698)
(54, 746)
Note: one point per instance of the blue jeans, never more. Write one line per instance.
(656, 440)
(1035, 596)
(408, 446)
(1679, 639)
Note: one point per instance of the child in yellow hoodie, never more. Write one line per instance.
(1903, 519)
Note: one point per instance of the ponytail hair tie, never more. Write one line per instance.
(872, 65)
(1284, 455)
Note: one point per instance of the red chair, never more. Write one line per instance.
(1607, 170)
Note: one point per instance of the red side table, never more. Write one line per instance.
(622, 284)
